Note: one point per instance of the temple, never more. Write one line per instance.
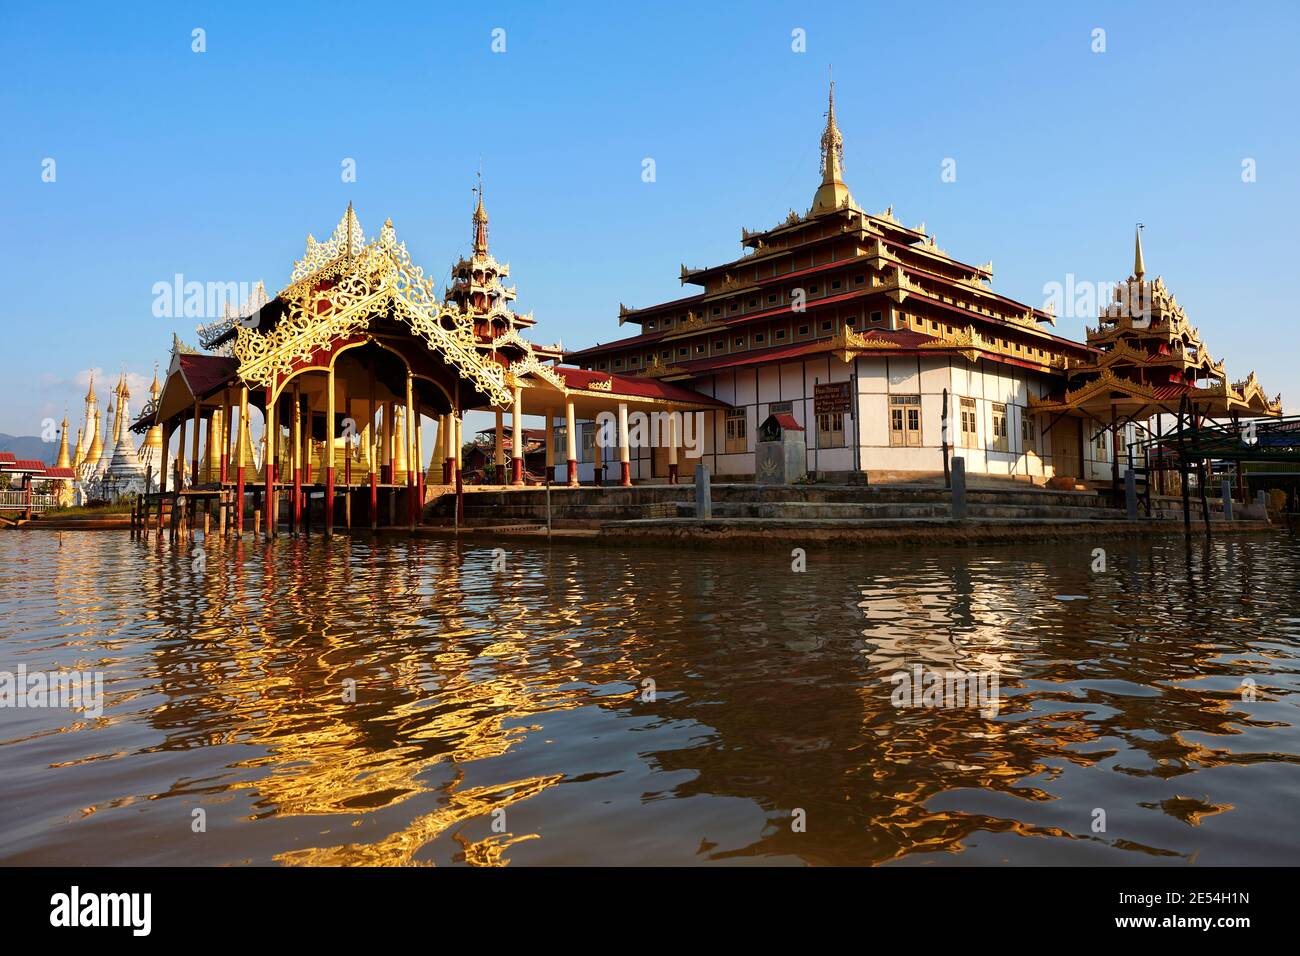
(346, 364)
(848, 326)
(900, 339)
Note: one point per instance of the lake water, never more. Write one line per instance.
(399, 701)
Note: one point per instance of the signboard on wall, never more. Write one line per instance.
(831, 398)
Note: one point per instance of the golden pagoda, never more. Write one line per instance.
(65, 459)
(1150, 360)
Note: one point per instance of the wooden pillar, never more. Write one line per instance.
(517, 438)
(550, 445)
(240, 451)
(329, 451)
(571, 442)
(499, 455)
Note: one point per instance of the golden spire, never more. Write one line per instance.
(832, 194)
(97, 439)
(480, 221)
(155, 389)
(350, 218)
(90, 392)
(81, 452)
(1139, 267)
(64, 459)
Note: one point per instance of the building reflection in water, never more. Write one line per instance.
(497, 715)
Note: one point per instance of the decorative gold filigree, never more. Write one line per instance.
(339, 288)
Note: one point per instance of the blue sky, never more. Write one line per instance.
(216, 165)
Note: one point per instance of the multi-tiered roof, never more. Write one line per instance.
(833, 279)
(1148, 358)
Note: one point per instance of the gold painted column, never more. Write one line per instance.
(295, 460)
(240, 451)
(499, 455)
(268, 461)
(571, 441)
(517, 438)
(408, 434)
(374, 453)
(672, 447)
(624, 460)
(329, 451)
(194, 445)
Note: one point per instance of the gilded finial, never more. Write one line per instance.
(832, 195)
(480, 220)
(1139, 267)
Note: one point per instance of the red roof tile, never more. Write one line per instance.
(206, 373)
(634, 385)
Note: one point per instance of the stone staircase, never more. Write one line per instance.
(849, 504)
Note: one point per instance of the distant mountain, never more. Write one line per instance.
(30, 446)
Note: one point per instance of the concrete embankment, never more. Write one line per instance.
(776, 516)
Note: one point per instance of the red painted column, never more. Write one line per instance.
(626, 478)
(516, 471)
(374, 500)
(672, 474)
(573, 473)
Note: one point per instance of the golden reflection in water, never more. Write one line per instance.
(773, 693)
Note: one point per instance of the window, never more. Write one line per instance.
(758, 338)
(720, 345)
(736, 435)
(803, 330)
(587, 431)
(969, 433)
(753, 303)
(999, 437)
(830, 430)
(827, 325)
(905, 420)
(859, 280)
(1099, 446)
(666, 353)
(650, 324)
(771, 298)
(836, 284)
(618, 363)
(683, 352)
(779, 335)
(812, 290)
(1028, 438)
(738, 342)
(699, 349)
(717, 310)
(875, 317)
(734, 306)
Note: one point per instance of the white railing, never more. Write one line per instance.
(17, 501)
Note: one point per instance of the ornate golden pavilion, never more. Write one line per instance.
(347, 361)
